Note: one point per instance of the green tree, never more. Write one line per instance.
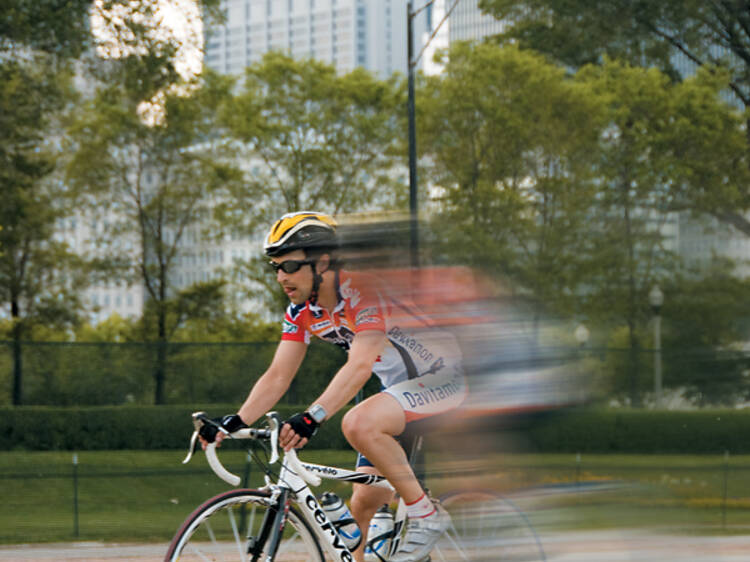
(311, 139)
(706, 34)
(157, 179)
(61, 27)
(654, 127)
(511, 140)
(39, 276)
(703, 316)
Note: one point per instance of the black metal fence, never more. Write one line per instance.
(85, 498)
(88, 374)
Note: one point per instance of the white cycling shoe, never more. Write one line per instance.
(421, 535)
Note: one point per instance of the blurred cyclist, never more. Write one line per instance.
(419, 368)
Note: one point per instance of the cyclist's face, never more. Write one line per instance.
(297, 285)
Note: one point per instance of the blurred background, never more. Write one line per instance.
(568, 181)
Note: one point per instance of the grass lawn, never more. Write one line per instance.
(145, 495)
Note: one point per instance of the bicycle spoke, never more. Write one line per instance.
(250, 522)
(198, 552)
(487, 527)
(288, 544)
(212, 536)
(455, 547)
(235, 532)
(215, 532)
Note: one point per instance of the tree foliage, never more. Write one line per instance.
(710, 35)
(310, 139)
(155, 180)
(566, 183)
(511, 138)
(39, 275)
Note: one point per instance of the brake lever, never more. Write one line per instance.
(198, 420)
(192, 448)
(274, 424)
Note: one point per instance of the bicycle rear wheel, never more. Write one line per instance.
(486, 527)
(229, 525)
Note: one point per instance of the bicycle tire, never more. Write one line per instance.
(485, 526)
(212, 531)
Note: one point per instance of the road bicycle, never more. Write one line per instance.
(284, 521)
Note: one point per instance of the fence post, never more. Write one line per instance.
(75, 494)
(724, 498)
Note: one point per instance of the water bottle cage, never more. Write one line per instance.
(341, 522)
(371, 543)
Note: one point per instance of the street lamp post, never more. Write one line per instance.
(656, 300)
(411, 63)
(582, 335)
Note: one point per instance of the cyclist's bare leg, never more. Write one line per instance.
(364, 503)
(370, 427)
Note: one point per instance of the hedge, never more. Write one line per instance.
(585, 431)
(124, 427)
(641, 431)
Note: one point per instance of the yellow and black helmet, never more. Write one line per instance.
(305, 230)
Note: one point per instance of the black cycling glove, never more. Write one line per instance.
(303, 425)
(231, 423)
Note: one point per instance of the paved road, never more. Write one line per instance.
(606, 546)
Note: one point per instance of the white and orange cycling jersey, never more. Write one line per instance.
(421, 363)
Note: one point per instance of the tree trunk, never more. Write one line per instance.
(17, 372)
(17, 355)
(635, 397)
(160, 373)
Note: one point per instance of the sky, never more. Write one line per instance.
(178, 19)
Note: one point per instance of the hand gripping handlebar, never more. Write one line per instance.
(271, 433)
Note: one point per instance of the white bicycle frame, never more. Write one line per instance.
(295, 476)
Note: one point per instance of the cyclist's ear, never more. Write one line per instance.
(323, 263)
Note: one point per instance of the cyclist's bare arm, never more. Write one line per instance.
(272, 385)
(365, 349)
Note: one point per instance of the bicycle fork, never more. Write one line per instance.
(271, 529)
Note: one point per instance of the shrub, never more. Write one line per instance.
(640, 431)
(124, 427)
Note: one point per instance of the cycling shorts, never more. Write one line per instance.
(425, 396)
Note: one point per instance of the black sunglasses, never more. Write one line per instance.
(289, 266)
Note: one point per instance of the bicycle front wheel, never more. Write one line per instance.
(230, 526)
(486, 527)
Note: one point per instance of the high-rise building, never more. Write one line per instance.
(104, 298)
(467, 22)
(344, 33)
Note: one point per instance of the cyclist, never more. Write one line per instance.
(419, 368)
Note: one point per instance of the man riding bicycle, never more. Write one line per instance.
(418, 365)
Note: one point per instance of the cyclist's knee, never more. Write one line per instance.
(358, 424)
